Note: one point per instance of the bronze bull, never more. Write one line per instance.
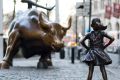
(35, 35)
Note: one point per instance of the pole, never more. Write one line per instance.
(76, 31)
(83, 22)
(14, 9)
(1, 29)
(57, 11)
(118, 51)
(90, 12)
(47, 12)
(72, 55)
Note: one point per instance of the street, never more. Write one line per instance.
(45, 26)
(62, 69)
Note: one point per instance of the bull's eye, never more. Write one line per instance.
(63, 32)
(52, 31)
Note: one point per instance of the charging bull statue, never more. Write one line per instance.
(35, 35)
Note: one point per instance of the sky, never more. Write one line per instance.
(66, 7)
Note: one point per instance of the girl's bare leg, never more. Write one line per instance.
(91, 69)
(103, 71)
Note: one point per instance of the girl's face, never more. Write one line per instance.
(95, 27)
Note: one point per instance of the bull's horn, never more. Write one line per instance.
(33, 3)
(43, 20)
(69, 23)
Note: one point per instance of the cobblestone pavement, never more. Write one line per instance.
(25, 69)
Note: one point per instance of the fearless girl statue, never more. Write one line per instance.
(95, 54)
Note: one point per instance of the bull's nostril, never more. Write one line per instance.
(52, 44)
(62, 45)
(57, 46)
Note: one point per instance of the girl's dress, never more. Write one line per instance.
(96, 53)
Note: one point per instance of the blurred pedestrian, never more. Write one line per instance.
(95, 55)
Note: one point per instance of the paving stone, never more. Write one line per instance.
(25, 69)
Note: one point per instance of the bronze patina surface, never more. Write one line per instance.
(35, 35)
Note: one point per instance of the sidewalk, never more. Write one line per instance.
(25, 69)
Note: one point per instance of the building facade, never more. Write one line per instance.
(109, 12)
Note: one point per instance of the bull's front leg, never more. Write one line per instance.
(49, 60)
(44, 61)
(12, 48)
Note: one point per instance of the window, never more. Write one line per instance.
(109, 2)
(102, 4)
(116, 1)
(95, 5)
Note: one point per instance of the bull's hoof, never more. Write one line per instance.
(4, 65)
(42, 65)
(49, 62)
(39, 65)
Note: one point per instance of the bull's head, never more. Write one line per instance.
(54, 32)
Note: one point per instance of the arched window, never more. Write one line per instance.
(95, 5)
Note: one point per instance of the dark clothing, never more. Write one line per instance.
(96, 46)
